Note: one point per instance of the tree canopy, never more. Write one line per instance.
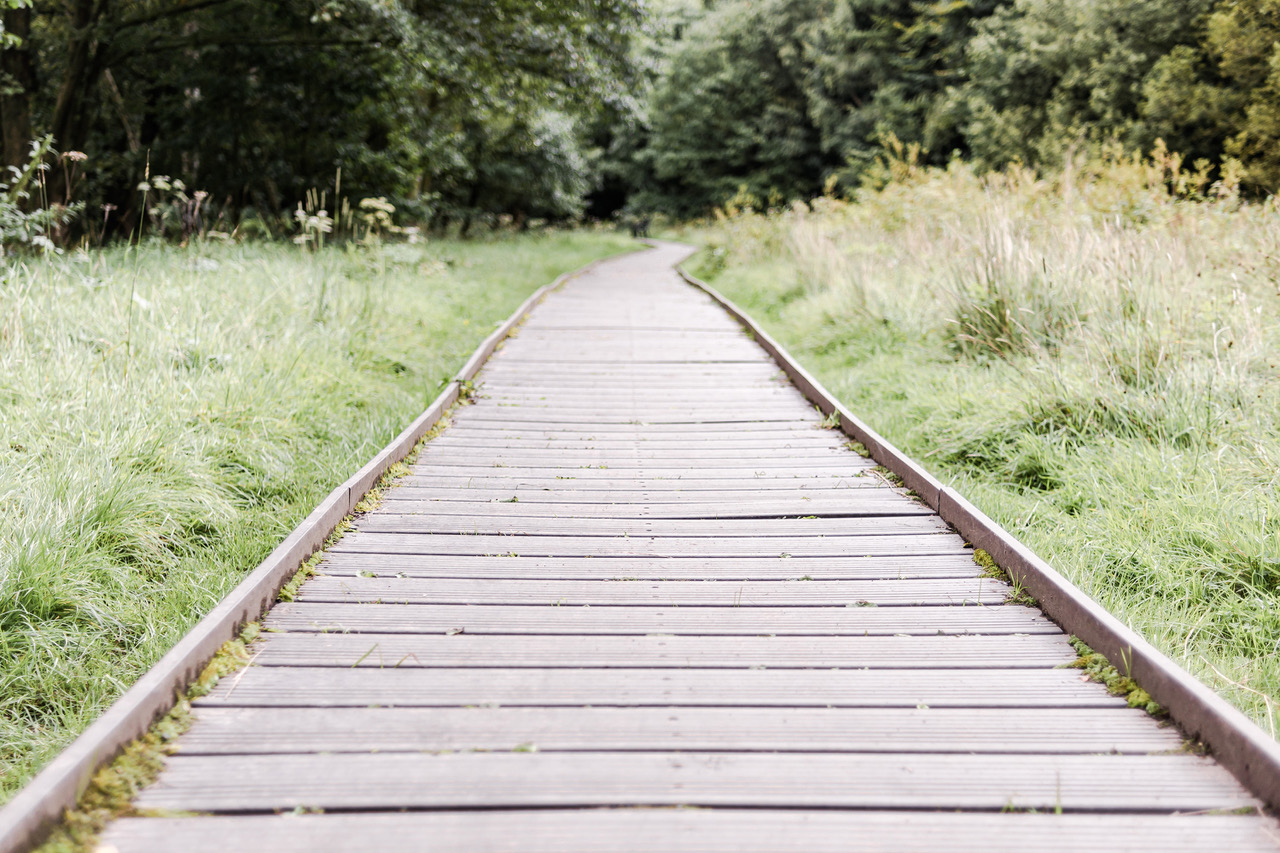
(460, 108)
(558, 108)
(775, 97)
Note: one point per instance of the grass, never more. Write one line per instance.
(168, 415)
(1089, 357)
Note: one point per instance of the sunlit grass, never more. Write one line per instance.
(168, 415)
(1088, 358)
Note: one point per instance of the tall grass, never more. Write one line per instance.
(1091, 357)
(167, 416)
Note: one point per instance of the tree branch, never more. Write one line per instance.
(181, 9)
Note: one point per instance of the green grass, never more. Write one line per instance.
(1088, 358)
(168, 415)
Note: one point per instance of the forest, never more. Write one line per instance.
(499, 110)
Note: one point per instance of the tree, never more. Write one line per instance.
(17, 81)
(1043, 75)
(730, 112)
(259, 102)
(880, 68)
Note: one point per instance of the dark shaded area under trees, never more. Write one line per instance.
(454, 110)
(472, 110)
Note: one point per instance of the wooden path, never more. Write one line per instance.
(636, 599)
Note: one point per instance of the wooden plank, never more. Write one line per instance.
(886, 524)
(261, 731)
(638, 400)
(619, 591)
(544, 418)
(665, 495)
(307, 615)
(477, 420)
(705, 405)
(403, 651)
(695, 831)
(681, 465)
(677, 568)
(645, 546)
(469, 439)
(690, 686)
(469, 780)
(869, 504)
(708, 457)
(852, 466)
(619, 386)
(497, 478)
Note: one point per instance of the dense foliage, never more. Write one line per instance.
(480, 108)
(771, 99)
(458, 109)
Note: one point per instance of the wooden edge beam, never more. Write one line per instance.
(1249, 753)
(29, 816)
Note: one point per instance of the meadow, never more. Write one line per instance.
(1090, 357)
(167, 415)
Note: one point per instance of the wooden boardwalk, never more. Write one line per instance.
(638, 575)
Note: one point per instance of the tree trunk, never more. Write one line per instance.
(81, 67)
(18, 64)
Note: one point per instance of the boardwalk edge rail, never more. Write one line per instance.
(1251, 755)
(27, 818)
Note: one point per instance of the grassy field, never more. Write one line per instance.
(1092, 359)
(168, 415)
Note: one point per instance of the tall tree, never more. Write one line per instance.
(1043, 75)
(17, 81)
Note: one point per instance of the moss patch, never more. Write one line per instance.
(1017, 594)
(111, 791)
(1099, 669)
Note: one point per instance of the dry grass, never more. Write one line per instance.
(1091, 357)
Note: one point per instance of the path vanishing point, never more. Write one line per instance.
(636, 598)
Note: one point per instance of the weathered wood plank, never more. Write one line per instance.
(740, 476)
(745, 479)
(696, 831)
(403, 651)
(707, 457)
(668, 488)
(475, 421)
(260, 731)
(306, 616)
(469, 780)
(867, 504)
(676, 568)
(684, 419)
(690, 686)
(648, 546)
(692, 443)
(623, 591)
(391, 520)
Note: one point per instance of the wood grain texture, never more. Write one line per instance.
(1108, 783)
(861, 504)
(675, 568)
(686, 686)
(306, 616)
(696, 831)
(391, 520)
(405, 651)
(514, 482)
(622, 591)
(663, 547)
(272, 731)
